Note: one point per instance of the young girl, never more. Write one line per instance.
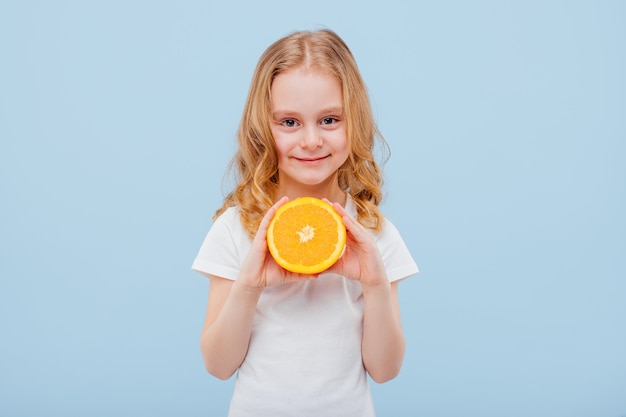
(304, 344)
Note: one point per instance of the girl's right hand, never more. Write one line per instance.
(259, 270)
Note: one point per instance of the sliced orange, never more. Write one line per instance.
(306, 236)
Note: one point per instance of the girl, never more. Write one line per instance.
(303, 345)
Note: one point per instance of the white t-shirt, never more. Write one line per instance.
(304, 357)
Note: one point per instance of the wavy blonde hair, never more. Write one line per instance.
(255, 164)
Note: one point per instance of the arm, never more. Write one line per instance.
(227, 327)
(232, 305)
(383, 342)
(383, 339)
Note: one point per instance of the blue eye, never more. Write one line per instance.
(328, 120)
(288, 123)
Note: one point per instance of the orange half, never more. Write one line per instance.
(306, 236)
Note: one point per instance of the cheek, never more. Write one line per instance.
(340, 141)
(276, 139)
(282, 150)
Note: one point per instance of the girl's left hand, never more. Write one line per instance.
(361, 259)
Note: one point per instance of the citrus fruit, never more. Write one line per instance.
(306, 235)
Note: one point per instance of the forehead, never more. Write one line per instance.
(302, 87)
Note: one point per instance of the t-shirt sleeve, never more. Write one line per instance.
(219, 254)
(398, 261)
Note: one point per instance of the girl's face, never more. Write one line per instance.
(309, 133)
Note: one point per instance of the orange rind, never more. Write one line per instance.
(306, 236)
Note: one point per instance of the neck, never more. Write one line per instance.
(331, 192)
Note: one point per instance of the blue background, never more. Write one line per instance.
(507, 180)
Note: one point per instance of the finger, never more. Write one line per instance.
(350, 222)
(338, 207)
(267, 218)
(304, 277)
(272, 211)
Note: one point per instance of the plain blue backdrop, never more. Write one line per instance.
(506, 121)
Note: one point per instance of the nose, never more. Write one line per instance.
(311, 138)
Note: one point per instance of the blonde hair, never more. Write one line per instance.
(255, 164)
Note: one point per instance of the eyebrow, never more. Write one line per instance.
(335, 110)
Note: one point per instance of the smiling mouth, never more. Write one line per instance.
(321, 158)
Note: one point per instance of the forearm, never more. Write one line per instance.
(383, 339)
(224, 343)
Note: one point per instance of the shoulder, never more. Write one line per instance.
(228, 228)
(398, 260)
(224, 246)
(388, 237)
(229, 216)
(388, 231)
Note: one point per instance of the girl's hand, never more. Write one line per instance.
(259, 270)
(361, 259)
